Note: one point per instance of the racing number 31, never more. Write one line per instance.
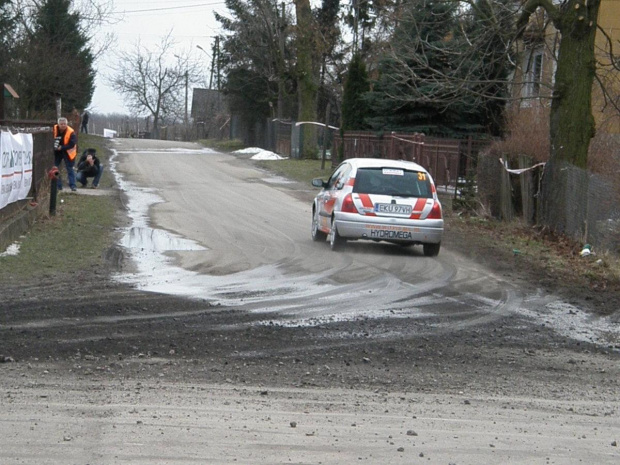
(421, 176)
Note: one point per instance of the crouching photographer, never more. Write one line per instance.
(89, 166)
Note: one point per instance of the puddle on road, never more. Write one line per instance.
(277, 180)
(156, 273)
(156, 240)
(313, 299)
(169, 150)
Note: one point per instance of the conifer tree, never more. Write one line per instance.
(7, 30)
(57, 60)
(356, 85)
(405, 96)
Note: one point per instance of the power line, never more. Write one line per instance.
(181, 7)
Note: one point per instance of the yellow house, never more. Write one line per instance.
(607, 116)
(533, 77)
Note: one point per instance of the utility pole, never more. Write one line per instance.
(325, 133)
(215, 61)
(281, 88)
(219, 61)
(186, 86)
(211, 71)
(58, 98)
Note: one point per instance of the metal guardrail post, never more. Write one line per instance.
(53, 175)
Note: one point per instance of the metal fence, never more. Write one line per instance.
(282, 135)
(572, 201)
(582, 205)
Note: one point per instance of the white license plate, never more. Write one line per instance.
(393, 208)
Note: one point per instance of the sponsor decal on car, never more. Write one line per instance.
(393, 172)
(380, 234)
(390, 232)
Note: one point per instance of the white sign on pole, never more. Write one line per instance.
(16, 168)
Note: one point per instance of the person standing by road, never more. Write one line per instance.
(84, 127)
(89, 166)
(65, 149)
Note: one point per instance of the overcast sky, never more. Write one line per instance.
(192, 23)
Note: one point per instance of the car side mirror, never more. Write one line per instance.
(318, 182)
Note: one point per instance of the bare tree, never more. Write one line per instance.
(154, 82)
(258, 43)
(308, 69)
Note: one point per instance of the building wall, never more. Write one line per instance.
(606, 116)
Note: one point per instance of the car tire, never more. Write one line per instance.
(336, 241)
(431, 250)
(317, 234)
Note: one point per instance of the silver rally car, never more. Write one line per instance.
(378, 200)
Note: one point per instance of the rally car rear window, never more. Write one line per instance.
(392, 181)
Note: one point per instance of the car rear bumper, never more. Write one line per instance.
(389, 229)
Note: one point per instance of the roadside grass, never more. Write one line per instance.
(222, 145)
(533, 248)
(72, 240)
(303, 171)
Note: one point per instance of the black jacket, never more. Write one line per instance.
(86, 168)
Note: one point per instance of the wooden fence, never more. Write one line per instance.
(448, 160)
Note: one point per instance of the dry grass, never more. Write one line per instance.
(527, 133)
(536, 252)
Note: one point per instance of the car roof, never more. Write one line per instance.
(383, 163)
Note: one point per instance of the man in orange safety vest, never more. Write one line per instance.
(65, 149)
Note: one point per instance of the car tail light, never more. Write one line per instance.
(435, 213)
(348, 206)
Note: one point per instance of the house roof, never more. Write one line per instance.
(9, 91)
(204, 100)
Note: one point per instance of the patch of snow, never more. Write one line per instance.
(267, 155)
(170, 150)
(12, 249)
(249, 150)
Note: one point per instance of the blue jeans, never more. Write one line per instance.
(82, 177)
(70, 173)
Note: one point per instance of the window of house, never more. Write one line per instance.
(536, 73)
(533, 74)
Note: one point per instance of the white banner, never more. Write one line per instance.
(16, 168)
(520, 170)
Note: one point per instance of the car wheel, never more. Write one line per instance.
(431, 250)
(317, 234)
(336, 241)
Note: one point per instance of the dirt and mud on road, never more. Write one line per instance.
(218, 332)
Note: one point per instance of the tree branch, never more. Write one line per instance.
(530, 7)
